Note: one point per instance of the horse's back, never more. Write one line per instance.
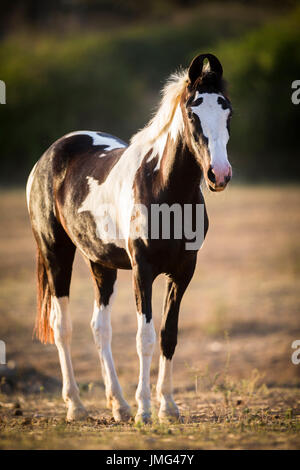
(90, 147)
(87, 153)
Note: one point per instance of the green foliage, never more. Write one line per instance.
(260, 69)
(54, 87)
(111, 80)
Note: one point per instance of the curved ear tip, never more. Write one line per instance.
(214, 63)
(207, 55)
(198, 69)
(212, 56)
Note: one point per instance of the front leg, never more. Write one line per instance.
(176, 287)
(145, 338)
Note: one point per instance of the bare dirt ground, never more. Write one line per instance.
(234, 380)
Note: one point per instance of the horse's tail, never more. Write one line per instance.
(43, 330)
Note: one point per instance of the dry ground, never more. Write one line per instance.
(234, 380)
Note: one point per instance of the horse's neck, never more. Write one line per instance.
(166, 171)
(180, 172)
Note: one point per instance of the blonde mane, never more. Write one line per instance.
(165, 113)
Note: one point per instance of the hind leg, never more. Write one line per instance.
(105, 280)
(60, 321)
(58, 254)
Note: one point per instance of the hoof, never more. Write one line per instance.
(169, 413)
(165, 418)
(143, 418)
(76, 413)
(121, 414)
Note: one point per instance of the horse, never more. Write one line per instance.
(165, 163)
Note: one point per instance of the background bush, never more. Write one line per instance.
(110, 80)
(265, 130)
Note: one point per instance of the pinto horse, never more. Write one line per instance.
(85, 171)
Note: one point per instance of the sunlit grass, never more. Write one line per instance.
(234, 381)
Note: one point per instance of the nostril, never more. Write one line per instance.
(227, 178)
(211, 175)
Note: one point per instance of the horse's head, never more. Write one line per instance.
(207, 112)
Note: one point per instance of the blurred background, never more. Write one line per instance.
(100, 64)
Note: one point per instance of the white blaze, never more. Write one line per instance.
(213, 119)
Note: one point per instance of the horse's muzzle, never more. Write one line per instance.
(217, 182)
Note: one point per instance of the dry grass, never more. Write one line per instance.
(233, 375)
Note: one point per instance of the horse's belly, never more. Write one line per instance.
(107, 254)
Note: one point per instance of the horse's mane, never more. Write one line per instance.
(163, 117)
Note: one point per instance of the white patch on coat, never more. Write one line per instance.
(29, 184)
(213, 119)
(145, 343)
(117, 192)
(117, 189)
(105, 213)
(111, 141)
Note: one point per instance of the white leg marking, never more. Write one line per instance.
(102, 331)
(164, 390)
(164, 382)
(145, 343)
(60, 320)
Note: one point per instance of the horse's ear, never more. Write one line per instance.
(197, 69)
